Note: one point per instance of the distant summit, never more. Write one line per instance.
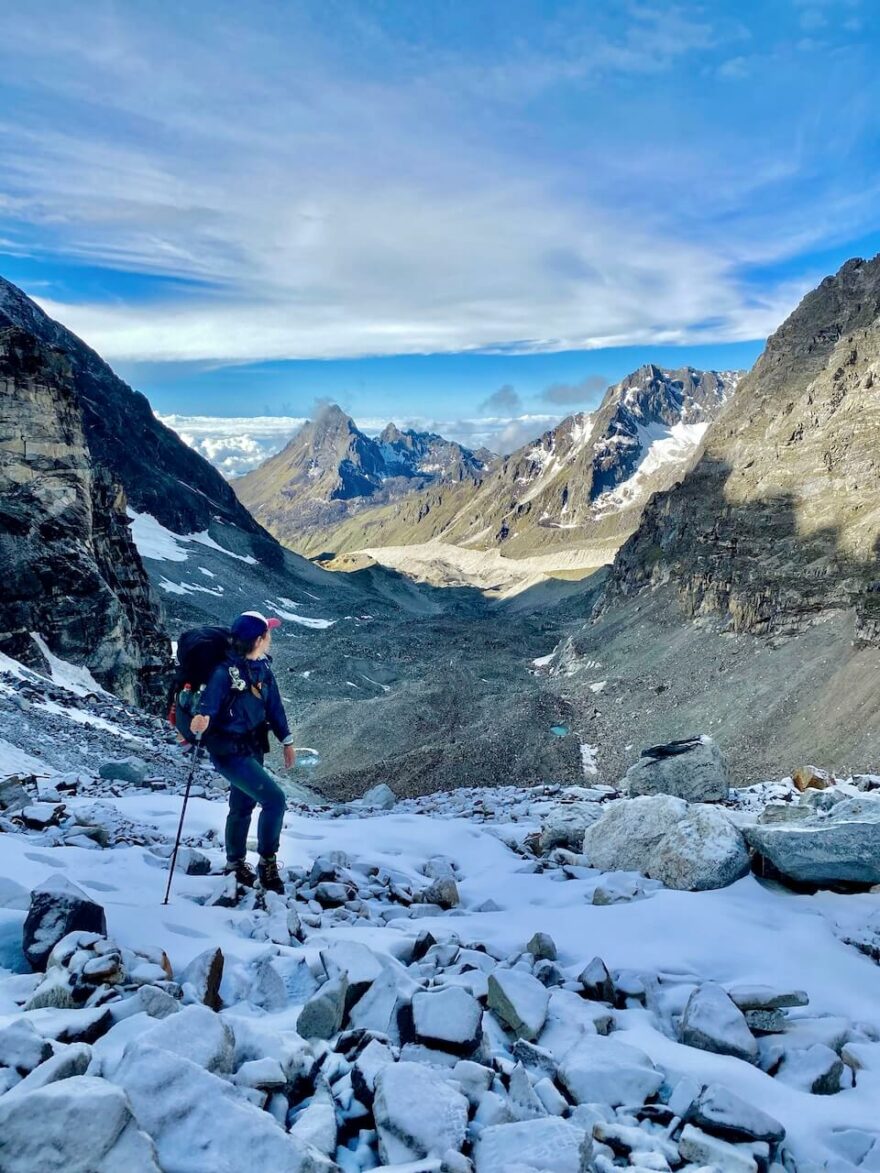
(581, 484)
(331, 470)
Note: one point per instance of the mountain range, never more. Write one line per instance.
(581, 484)
(331, 471)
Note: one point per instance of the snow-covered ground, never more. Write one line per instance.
(345, 951)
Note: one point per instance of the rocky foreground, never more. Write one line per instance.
(498, 980)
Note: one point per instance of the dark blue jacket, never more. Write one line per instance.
(241, 698)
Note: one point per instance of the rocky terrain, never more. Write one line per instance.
(73, 583)
(631, 974)
(159, 473)
(579, 487)
(331, 471)
(778, 523)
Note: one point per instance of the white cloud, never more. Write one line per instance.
(235, 445)
(319, 207)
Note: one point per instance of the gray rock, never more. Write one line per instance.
(701, 852)
(629, 830)
(13, 796)
(519, 1001)
(549, 1144)
(766, 997)
(21, 1047)
(542, 947)
(382, 797)
(693, 769)
(815, 1069)
(712, 1022)
(727, 1115)
(600, 1070)
(418, 1113)
(322, 1016)
(203, 976)
(596, 981)
(766, 1022)
(719, 1155)
(839, 847)
(196, 1034)
(57, 907)
(450, 1019)
(566, 824)
(330, 894)
(125, 770)
(442, 892)
(85, 1126)
(64, 1064)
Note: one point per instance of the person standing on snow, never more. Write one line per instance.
(239, 705)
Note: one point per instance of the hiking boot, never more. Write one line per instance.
(267, 870)
(244, 873)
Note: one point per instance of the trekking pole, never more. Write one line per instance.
(189, 780)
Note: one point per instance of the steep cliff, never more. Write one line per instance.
(70, 573)
(159, 473)
(779, 521)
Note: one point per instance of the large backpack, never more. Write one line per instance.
(199, 651)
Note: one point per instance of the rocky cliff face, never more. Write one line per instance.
(159, 473)
(330, 471)
(583, 483)
(70, 572)
(779, 521)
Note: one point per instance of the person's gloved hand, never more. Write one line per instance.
(289, 757)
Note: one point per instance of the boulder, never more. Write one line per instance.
(826, 849)
(13, 796)
(566, 824)
(542, 947)
(67, 1062)
(202, 977)
(77, 1125)
(197, 1034)
(322, 1016)
(713, 1022)
(693, 769)
(810, 778)
(187, 1110)
(727, 1115)
(21, 1047)
(442, 892)
(713, 1153)
(519, 1001)
(599, 1070)
(418, 1113)
(817, 1069)
(57, 907)
(450, 1019)
(629, 830)
(702, 851)
(550, 1145)
(381, 797)
(596, 981)
(125, 770)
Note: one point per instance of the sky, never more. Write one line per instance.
(465, 214)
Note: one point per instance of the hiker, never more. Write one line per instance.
(239, 705)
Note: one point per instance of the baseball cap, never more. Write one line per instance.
(251, 625)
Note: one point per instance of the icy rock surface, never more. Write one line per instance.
(418, 1113)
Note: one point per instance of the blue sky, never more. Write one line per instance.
(407, 207)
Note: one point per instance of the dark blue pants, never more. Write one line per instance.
(250, 784)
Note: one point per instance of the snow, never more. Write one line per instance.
(15, 761)
(302, 620)
(188, 588)
(589, 760)
(156, 542)
(73, 677)
(660, 445)
(80, 717)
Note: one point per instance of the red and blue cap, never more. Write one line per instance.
(253, 625)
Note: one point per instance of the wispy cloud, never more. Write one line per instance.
(331, 186)
(584, 392)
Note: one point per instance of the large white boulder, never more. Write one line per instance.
(78, 1125)
(198, 1034)
(418, 1113)
(629, 830)
(199, 1122)
(704, 850)
(451, 1019)
(601, 1070)
(713, 1022)
(827, 848)
(550, 1145)
(519, 1000)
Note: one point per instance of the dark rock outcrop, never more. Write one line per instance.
(70, 571)
(779, 521)
(159, 473)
